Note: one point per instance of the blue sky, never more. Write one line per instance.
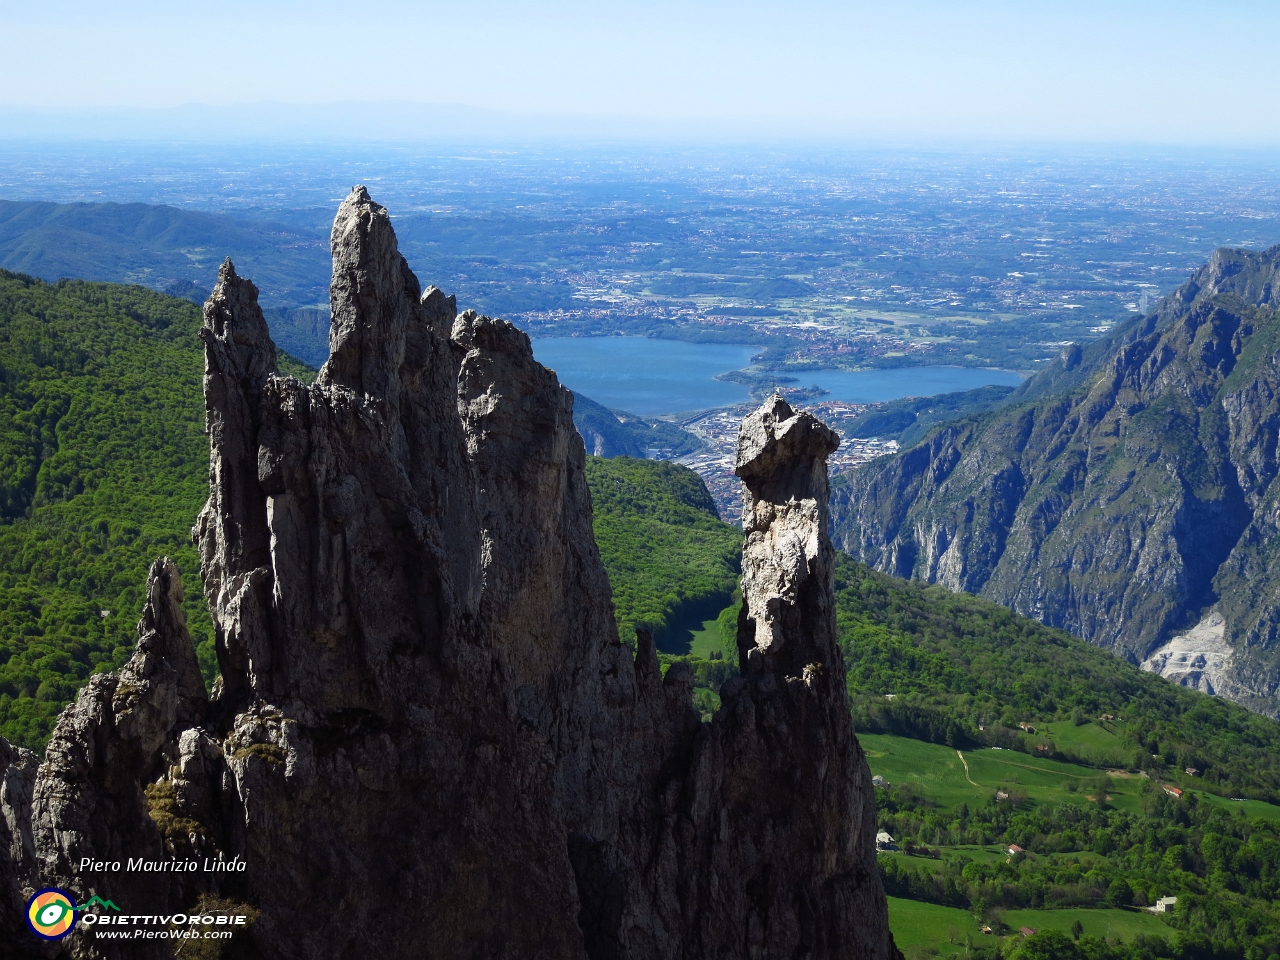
(1169, 72)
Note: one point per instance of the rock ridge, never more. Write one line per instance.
(424, 701)
(1125, 494)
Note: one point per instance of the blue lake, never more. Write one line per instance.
(654, 377)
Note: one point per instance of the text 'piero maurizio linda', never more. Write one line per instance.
(139, 865)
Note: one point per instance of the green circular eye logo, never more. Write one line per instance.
(51, 913)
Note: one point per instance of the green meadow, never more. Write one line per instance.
(935, 770)
(1100, 736)
(1125, 924)
(919, 928)
(938, 772)
(707, 639)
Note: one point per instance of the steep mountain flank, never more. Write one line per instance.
(103, 463)
(669, 558)
(427, 738)
(1124, 495)
(606, 434)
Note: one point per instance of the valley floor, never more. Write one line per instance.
(938, 793)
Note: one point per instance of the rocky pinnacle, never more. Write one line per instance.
(428, 738)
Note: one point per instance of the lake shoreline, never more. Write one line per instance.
(648, 376)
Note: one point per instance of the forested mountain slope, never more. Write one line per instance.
(1127, 495)
(158, 246)
(177, 252)
(103, 467)
(668, 556)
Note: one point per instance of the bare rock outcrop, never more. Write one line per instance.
(779, 767)
(104, 794)
(427, 734)
(17, 848)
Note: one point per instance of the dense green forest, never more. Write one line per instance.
(103, 467)
(669, 557)
(965, 671)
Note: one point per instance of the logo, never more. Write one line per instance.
(51, 913)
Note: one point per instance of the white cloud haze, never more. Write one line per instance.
(1138, 71)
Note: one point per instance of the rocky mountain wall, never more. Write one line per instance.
(1125, 495)
(427, 738)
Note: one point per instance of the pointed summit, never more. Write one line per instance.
(373, 297)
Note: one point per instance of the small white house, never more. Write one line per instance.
(884, 841)
(879, 781)
(1164, 905)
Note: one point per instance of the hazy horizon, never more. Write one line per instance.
(1142, 73)
(438, 125)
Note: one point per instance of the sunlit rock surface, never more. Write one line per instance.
(428, 735)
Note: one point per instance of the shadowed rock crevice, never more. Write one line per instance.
(425, 707)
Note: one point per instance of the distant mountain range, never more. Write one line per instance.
(159, 247)
(1128, 494)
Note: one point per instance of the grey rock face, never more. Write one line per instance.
(100, 793)
(1124, 495)
(17, 848)
(425, 709)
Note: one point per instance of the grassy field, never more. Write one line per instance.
(918, 927)
(1045, 780)
(939, 774)
(1126, 924)
(1097, 735)
(935, 770)
(992, 765)
(1251, 808)
(705, 639)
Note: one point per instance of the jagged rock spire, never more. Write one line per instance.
(426, 712)
(87, 802)
(373, 295)
(782, 460)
